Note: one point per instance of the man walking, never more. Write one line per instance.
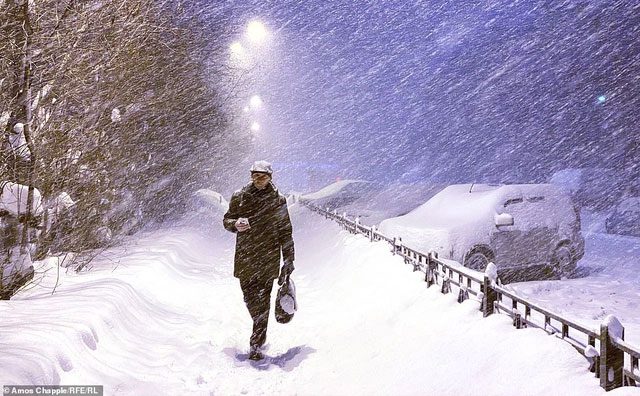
(259, 216)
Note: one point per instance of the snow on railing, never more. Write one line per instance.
(614, 362)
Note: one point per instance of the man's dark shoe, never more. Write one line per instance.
(255, 354)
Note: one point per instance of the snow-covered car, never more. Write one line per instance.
(625, 218)
(373, 208)
(342, 193)
(522, 226)
(590, 188)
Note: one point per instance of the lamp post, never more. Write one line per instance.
(248, 53)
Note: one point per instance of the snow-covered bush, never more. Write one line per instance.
(207, 205)
(15, 261)
(14, 197)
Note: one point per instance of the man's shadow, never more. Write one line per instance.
(287, 361)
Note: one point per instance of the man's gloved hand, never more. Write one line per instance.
(286, 270)
(242, 224)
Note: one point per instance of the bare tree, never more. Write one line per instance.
(115, 107)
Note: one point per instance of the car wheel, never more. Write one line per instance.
(476, 261)
(563, 263)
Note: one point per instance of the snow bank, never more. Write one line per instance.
(211, 199)
(130, 325)
(14, 199)
(207, 207)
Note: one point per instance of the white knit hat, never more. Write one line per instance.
(262, 167)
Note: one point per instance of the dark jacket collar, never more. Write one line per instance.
(270, 189)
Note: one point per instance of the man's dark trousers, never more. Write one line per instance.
(257, 296)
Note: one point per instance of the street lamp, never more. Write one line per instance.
(255, 102)
(256, 32)
(236, 48)
(255, 127)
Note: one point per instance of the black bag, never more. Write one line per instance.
(286, 304)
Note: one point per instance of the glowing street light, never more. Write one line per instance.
(236, 48)
(255, 127)
(256, 31)
(255, 102)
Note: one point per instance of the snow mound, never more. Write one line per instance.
(207, 206)
(14, 199)
(211, 199)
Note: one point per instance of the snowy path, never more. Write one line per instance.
(165, 316)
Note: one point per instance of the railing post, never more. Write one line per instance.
(446, 285)
(429, 275)
(633, 368)
(518, 321)
(345, 221)
(593, 356)
(595, 362)
(397, 244)
(463, 294)
(415, 262)
(489, 296)
(611, 357)
(373, 230)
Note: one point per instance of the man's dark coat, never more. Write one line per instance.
(258, 249)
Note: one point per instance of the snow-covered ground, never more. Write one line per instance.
(163, 315)
(607, 281)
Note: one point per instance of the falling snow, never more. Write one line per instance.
(124, 119)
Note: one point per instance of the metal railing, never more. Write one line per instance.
(610, 358)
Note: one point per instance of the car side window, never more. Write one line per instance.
(535, 199)
(525, 214)
(511, 202)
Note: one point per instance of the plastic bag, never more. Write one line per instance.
(286, 304)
